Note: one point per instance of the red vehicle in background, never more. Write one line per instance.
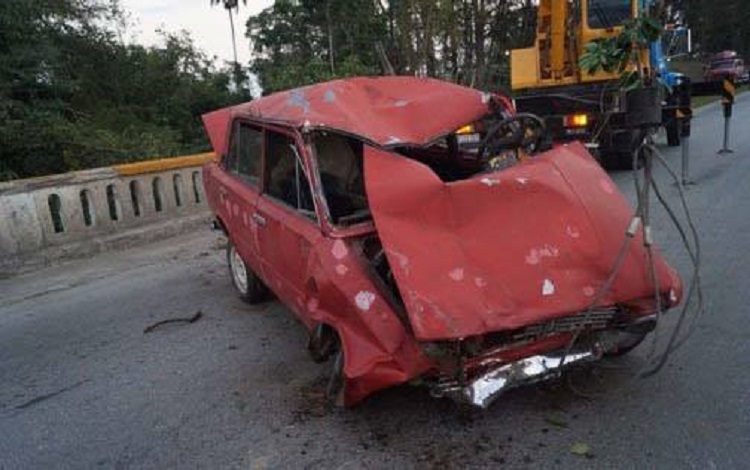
(727, 64)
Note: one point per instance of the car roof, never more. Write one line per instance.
(388, 111)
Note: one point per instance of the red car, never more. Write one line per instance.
(410, 250)
(726, 64)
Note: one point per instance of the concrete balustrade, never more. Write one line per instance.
(76, 214)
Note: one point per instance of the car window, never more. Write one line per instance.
(342, 177)
(286, 179)
(244, 159)
(608, 13)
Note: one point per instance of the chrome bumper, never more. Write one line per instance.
(483, 390)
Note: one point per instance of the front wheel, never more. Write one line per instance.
(249, 286)
(334, 393)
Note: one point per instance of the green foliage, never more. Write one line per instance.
(621, 53)
(466, 41)
(73, 96)
(292, 41)
(718, 25)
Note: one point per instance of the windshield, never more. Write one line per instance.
(608, 13)
(723, 64)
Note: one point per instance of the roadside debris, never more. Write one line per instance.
(47, 396)
(556, 419)
(581, 449)
(192, 319)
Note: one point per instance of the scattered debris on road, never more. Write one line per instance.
(47, 396)
(581, 449)
(192, 319)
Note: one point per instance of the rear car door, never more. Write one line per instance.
(287, 223)
(238, 188)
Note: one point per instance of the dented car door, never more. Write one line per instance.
(238, 187)
(286, 219)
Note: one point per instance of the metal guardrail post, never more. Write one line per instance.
(727, 100)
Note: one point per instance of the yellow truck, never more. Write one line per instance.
(548, 81)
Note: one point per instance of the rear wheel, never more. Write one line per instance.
(249, 286)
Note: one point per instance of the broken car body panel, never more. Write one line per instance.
(506, 249)
(519, 252)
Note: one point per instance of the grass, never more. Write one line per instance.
(700, 101)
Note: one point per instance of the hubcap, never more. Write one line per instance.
(239, 272)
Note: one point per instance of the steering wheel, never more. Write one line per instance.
(523, 131)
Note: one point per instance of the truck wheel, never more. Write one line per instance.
(673, 134)
(249, 286)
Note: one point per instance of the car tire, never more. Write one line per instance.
(673, 134)
(248, 285)
(323, 343)
(335, 387)
(622, 342)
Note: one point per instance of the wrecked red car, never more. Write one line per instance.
(421, 229)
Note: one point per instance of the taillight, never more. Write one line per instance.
(576, 120)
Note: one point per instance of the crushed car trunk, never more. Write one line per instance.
(507, 249)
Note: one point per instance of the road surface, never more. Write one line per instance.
(82, 385)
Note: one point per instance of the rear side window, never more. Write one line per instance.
(286, 178)
(244, 159)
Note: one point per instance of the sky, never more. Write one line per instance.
(208, 26)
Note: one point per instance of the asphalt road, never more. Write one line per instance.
(82, 385)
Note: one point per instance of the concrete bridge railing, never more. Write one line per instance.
(46, 219)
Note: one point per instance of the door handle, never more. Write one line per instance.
(259, 219)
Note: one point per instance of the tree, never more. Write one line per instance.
(307, 41)
(717, 26)
(466, 41)
(73, 96)
(230, 5)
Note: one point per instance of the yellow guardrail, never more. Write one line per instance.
(164, 164)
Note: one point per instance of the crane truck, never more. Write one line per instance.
(548, 81)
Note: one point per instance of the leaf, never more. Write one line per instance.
(630, 81)
(581, 449)
(556, 420)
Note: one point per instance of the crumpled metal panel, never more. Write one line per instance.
(486, 388)
(384, 110)
(506, 249)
